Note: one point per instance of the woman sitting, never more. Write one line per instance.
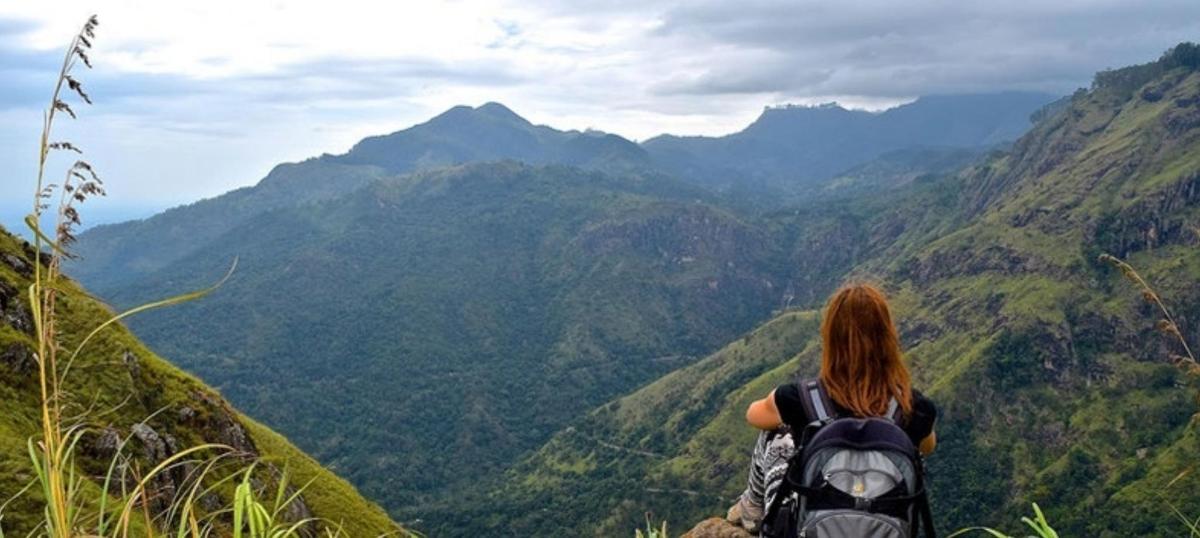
(862, 371)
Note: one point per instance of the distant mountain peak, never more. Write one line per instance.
(497, 110)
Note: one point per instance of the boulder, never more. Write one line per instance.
(716, 527)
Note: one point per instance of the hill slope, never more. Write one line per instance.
(1053, 385)
(461, 315)
(127, 385)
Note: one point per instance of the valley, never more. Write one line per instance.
(494, 327)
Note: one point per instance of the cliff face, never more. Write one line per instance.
(122, 391)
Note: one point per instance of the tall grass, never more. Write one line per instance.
(1041, 528)
(1186, 362)
(651, 530)
(125, 504)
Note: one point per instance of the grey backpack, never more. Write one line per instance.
(852, 478)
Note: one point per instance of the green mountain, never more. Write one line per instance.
(398, 319)
(791, 148)
(123, 390)
(461, 315)
(120, 255)
(1054, 385)
(492, 132)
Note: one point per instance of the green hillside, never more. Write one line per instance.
(1053, 384)
(117, 384)
(460, 315)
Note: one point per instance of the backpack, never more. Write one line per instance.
(851, 478)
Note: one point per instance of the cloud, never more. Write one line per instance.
(192, 101)
(879, 48)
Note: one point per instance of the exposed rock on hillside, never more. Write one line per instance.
(716, 528)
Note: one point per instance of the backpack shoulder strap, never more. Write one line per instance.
(817, 404)
(894, 412)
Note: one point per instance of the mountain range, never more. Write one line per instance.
(495, 327)
(448, 307)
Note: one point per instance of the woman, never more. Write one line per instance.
(862, 370)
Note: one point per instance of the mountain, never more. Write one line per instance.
(461, 315)
(782, 152)
(492, 132)
(791, 148)
(121, 254)
(1054, 385)
(133, 394)
(445, 307)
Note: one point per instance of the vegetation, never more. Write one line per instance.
(82, 479)
(1041, 528)
(495, 303)
(509, 277)
(1011, 324)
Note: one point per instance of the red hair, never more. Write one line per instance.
(862, 367)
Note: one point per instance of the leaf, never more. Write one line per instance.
(993, 532)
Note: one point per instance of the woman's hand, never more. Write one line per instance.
(763, 414)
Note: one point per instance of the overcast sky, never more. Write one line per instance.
(193, 99)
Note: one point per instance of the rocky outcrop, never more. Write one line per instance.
(223, 428)
(17, 264)
(12, 309)
(1154, 221)
(716, 527)
(963, 260)
(156, 449)
(18, 359)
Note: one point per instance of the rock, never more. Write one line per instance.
(228, 431)
(106, 444)
(297, 510)
(716, 527)
(186, 414)
(19, 359)
(162, 486)
(133, 364)
(13, 310)
(17, 264)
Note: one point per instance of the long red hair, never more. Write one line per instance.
(862, 367)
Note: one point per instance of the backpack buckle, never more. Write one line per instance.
(862, 504)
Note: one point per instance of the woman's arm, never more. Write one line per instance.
(763, 414)
(928, 444)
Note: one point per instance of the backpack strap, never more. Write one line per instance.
(894, 413)
(817, 404)
(924, 516)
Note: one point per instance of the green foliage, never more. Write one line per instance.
(651, 532)
(1041, 528)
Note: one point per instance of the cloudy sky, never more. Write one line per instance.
(193, 99)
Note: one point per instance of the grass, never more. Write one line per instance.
(215, 489)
